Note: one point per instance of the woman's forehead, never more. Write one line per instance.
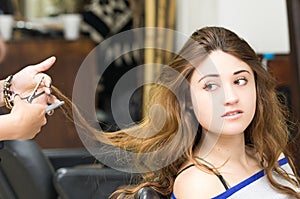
(219, 62)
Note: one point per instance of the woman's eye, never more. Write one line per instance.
(241, 81)
(210, 86)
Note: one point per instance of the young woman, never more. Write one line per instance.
(224, 132)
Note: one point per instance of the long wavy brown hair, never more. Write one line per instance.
(268, 133)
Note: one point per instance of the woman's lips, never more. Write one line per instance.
(234, 114)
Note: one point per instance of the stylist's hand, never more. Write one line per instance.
(26, 79)
(29, 118)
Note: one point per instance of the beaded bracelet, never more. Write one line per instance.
(7, 93)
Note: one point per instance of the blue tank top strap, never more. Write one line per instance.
(173, 196)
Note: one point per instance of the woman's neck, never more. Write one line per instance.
(218, 149)
(229, 155)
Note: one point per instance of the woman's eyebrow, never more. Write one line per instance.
(217, 75)
(209, 75)
(240, 71)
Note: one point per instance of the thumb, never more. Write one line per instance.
(44, 65)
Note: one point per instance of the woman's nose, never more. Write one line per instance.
(230, 95)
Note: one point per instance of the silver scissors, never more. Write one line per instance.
(34, 95)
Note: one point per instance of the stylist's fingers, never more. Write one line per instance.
(29, 117)
(46, 83)
(27, 78)
(51, 99)
(41, 67)
(46, 79)
(44, 65)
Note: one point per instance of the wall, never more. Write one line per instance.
(263, 23)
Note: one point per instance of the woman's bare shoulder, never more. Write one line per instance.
(196, 183)
(281, 156)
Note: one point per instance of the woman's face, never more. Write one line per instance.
(223, 94)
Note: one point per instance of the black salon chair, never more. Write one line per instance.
(148, 193)
(27, 172)
(71, 183)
